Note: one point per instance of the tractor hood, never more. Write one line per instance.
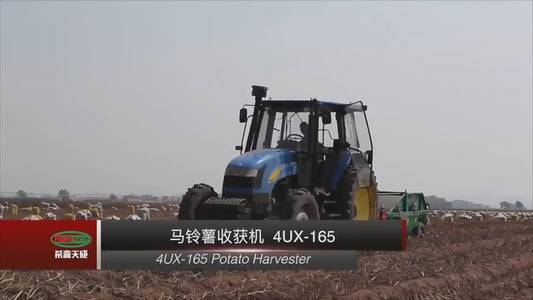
(258, 159)
(256, 172)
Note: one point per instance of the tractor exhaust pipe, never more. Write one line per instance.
(259, 92)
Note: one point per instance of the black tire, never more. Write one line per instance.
(300, 206)
(193, 198)
(344, 195)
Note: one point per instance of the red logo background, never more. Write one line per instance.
(27, 245)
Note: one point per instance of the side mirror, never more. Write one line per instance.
(243, 115)
(369, 156)
(326, 118)
(238, 148)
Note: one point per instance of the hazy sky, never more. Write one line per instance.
(143, 97)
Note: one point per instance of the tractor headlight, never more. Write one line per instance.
(241, 172)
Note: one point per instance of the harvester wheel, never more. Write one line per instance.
(300, 206)
(344, 196)
(419, 230)
(423, 219)
(193, 198)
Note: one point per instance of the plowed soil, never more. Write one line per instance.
(465, 260)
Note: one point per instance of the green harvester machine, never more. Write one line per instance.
(411, 207)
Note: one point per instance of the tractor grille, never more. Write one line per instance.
(242, 182)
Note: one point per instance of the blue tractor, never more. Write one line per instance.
(302, 160)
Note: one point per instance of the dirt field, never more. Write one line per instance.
(465, 260)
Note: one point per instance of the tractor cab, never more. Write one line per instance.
(317, 131)
(302, 159)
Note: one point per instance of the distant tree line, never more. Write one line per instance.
(441, 203)
(22, 194)
(64, 197)
(507, 205)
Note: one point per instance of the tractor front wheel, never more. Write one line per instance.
(300, 206)
(193, 198)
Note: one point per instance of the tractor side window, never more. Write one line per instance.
(363, 136)
(327, 133)
(351, 135)
(270, 130)
(276, 130)
(262, 141)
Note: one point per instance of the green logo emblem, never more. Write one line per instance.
(71, 239)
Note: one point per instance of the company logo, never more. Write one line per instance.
(71, 239)
(274, 176)
(277, 172)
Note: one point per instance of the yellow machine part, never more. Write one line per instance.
(69, 216)
(14, 209)
(366, 202)
(132, 209)
(94, 211)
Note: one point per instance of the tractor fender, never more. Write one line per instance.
(344, 160)
(364, 173)
(364, 177)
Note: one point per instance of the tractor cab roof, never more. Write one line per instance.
(305, 105)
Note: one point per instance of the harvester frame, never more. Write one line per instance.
(411, 207)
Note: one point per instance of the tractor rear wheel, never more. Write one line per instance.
(193, 198)
(300, 206)
(345, 193)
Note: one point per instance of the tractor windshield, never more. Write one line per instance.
(283, 129)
